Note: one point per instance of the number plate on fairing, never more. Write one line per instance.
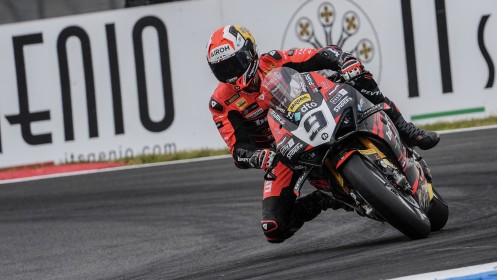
(316, 127)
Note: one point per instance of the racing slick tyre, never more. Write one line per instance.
(398, 209)
(438, 212)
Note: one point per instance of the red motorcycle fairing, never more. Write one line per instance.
(303, 125)
(322, 110)
(317, 128)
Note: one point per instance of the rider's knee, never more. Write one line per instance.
(276, 231)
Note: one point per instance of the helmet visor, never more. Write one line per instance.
(230, 69)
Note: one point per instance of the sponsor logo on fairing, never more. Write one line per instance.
(388, 132)
(297, 116)
(308, 106)
(293, 151)
(342, 104)
(360, 104)
(287, 146)
(310, 82)
(277, 117)
(341, 93)
(277, 131)
(298, 102)
(282, 142)
(371, 109)
(325, 85)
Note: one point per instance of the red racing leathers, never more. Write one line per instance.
(240, 117)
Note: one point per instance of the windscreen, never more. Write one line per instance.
(286, 89)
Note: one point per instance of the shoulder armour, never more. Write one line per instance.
(216, 106)
(274, 54)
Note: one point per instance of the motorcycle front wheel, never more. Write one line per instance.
(398, 209)
(438, 212)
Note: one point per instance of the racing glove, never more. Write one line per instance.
(351, 68)
(366, 85)
(355, 75)
(262, 159)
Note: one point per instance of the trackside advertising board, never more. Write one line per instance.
(108, 85)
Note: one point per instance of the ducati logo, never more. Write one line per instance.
(320, 23)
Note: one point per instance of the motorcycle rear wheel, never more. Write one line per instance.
(398, 209)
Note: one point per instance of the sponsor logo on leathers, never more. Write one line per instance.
(232, 99)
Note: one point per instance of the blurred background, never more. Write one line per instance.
(24, 10)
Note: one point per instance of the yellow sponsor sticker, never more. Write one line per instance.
(241, 104)
(298, 102)
(430, 190)
(367, 152)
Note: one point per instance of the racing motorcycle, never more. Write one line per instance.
(325, 126)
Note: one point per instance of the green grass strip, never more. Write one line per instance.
(492, 120)
(448, 113)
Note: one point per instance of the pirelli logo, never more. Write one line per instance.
(298, 102)
(232, 99)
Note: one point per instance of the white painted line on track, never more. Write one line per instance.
(129, 167)
(468, 129)
(111, 169)
(483, 271)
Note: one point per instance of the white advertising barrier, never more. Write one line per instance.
(107, 85)
(135, 81)
(436, 66)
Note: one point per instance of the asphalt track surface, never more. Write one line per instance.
(201, 221)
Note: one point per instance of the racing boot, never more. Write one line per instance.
(305, 209)
(318, 201)
(409, 133)
(414, 136)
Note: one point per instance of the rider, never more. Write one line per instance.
(239, 111)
